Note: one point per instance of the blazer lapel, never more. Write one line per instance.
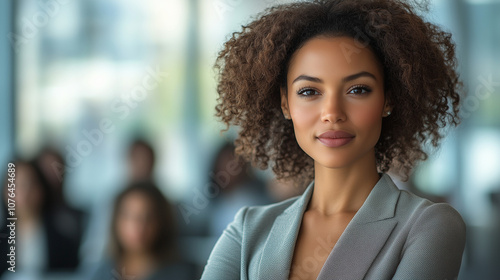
(365, 235)
(355, 250)
(280, 244)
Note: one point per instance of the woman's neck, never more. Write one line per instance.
(342, 190)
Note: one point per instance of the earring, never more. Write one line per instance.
(388, 113)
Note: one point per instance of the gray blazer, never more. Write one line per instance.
(394, 235)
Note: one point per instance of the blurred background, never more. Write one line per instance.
(98, 97)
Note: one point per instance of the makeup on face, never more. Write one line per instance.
(336, 100)
(335, 138)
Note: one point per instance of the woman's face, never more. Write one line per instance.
(136, 224)
(336, 86)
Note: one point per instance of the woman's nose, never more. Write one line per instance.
(333, 109)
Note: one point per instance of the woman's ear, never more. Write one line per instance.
(284, 103)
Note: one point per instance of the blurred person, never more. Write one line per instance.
(141, 161)
(238, 187)
(68, 219)
(40, 246)
(143, 242)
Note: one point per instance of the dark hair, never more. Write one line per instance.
(164, 246)
(57, 167)
(52, 151)
(418, 60)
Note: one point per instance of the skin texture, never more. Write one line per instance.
(345, 175)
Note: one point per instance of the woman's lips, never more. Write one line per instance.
(334, 139)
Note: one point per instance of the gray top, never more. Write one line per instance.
(395, 234)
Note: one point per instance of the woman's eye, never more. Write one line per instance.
(359, 90)
(307, 92)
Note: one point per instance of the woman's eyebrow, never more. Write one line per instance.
(345, 79)
(307, 78)
(358, 75)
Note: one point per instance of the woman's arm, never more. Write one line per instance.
(225, 260)
(434, 246)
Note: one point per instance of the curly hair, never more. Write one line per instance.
(420, 79)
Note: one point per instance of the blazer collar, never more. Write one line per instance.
(280, 244)
(373, 209)
(360, 243)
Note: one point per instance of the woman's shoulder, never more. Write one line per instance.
(421, 212)
(429, 237)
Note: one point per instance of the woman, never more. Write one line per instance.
(40, 245)
(143, 237)
(333, 94)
